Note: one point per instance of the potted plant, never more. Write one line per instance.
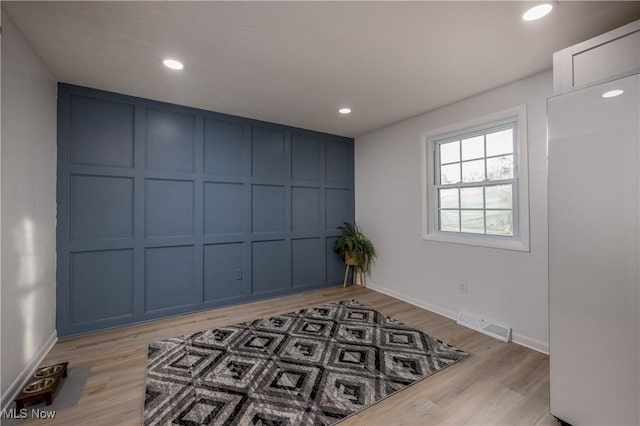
(354, 248)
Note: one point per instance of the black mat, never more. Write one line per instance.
(311, 367)
(66, 396)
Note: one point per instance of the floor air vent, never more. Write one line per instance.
(474, 322)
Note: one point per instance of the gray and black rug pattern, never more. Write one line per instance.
(311, 367)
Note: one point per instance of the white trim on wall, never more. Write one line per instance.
(517, 338)
(27, 372)
(519, 241)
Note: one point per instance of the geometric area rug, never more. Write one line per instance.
(315, 366)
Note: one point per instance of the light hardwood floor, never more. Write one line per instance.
(499, 384)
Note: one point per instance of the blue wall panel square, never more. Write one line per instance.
(101, 132)
(101, 285)
(223, 147)
(335, 266)
(168, 208)
(305, 209)
(267, 153)
(267, 208)
(338, 207)
(268, 266)
(170, 141)
(223, 208)
(305, 157)
(339, 162)
(169, 277)
(306, 262)
(223, 271)
(101, 207)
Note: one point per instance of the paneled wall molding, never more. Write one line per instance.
(165, 209)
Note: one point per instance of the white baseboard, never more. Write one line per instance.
(517, 338)
(26, 373)
(410, 299)
(531, 343)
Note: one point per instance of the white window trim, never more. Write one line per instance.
(430, 231)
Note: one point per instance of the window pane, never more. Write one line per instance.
(473, 148)
(450, 152)
(472, 221)
(500, 167)
(450, 220)
(500, 222)
(473, 171)
(450, 174)
(499, 197)
(449, 198)
(500, 142)
(471, 198)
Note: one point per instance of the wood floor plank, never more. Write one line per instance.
(500, 383)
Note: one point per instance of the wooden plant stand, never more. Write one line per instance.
(42, 385)
(349, 262)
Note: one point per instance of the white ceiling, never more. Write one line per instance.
(296, 62)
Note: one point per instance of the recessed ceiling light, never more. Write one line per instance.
(173, 64)
(612, 93)
(537, 11)
(344, 110)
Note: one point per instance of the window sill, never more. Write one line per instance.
(504, 243)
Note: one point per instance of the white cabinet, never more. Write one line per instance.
(594, 231)
(594, 237)
(610, 56)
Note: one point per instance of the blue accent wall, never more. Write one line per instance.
(165, 210)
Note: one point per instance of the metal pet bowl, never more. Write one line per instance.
(38, 385)
(48, 371)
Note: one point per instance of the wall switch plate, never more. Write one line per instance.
(464, 288)
(238, 274)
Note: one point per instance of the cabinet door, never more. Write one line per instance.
(593, 254)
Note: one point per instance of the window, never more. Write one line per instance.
(475, 182)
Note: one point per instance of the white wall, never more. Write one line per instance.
(1, 404)
(506, 286)
(28, 209)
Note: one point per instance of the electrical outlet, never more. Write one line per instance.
(464, 288)
(238, 274)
